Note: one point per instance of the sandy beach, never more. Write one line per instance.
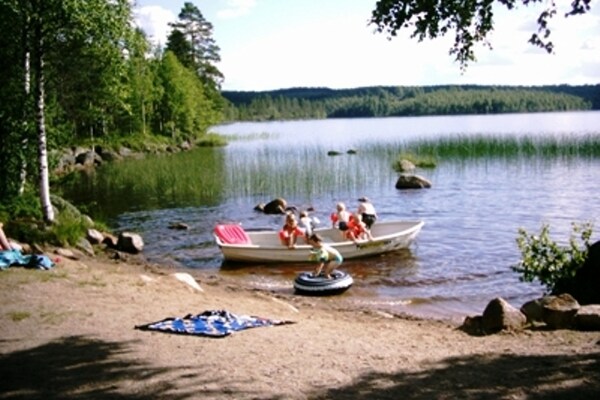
(70, 333)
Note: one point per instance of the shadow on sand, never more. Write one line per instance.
(81, 367)
(484, 377)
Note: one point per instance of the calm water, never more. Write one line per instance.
(462, 257)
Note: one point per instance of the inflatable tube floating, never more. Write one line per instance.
(306, 283)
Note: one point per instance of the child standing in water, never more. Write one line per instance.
(327, 256)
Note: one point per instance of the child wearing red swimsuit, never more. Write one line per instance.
(290, 231)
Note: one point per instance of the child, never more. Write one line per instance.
(367, 212)
(307, 223)
(340, 218)
(357, 229)
(327, 256)
(290, 231)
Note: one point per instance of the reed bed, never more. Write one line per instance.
(480, 146)
(296, 172)
(465, 147)
(188, 178)
(302, 172)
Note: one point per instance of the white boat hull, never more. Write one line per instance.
(266, 247)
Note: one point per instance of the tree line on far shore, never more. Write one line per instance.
(388, 101)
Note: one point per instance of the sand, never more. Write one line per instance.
(69, 333)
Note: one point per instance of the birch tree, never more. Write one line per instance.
(48, 27)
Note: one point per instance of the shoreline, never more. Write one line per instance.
(69, 332)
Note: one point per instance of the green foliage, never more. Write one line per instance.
(185, 109)
(470, 21)
(420, 161)
(67, 230)
(548, 262)
(24, 221)
(26, 206)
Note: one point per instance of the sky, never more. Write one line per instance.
(277, 44)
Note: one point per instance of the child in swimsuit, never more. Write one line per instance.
(290, 231)
(327, 256)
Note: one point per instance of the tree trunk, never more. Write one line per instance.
(44, 183)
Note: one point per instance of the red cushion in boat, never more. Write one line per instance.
(232, 234)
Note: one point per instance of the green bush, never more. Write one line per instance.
(24, 222)
(547, 261)
(67, 230)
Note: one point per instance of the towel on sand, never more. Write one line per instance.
(15, 257)
(212, 323)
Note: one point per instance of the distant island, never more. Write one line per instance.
(389, 101)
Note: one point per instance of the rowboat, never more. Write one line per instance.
(264, 246)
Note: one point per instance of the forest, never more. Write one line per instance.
(82, 74)
(388, 101)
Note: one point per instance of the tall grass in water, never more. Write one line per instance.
(182, 179)
(463, 147)
(299, 172)
(480, 146)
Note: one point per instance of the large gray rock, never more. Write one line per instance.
(110, 241)
(473, 325)
(409, 181)
(109, 155)
(559, 311)
(130, 243)
(534, 309)
(275, 206)
(94, 236)
(88, 159)
(499, 316)
(85, 246)
(65, 162)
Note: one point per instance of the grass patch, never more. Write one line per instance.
(17, 316)
(422, 161)
(94, 282)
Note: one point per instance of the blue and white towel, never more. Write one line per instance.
(15, 257)
(212, 323)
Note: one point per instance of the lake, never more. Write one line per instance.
(462, 257)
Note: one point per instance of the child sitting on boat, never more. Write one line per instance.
(352, 228)
(308, 223)
(358, 229)
(290, 232)
(340, 218)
